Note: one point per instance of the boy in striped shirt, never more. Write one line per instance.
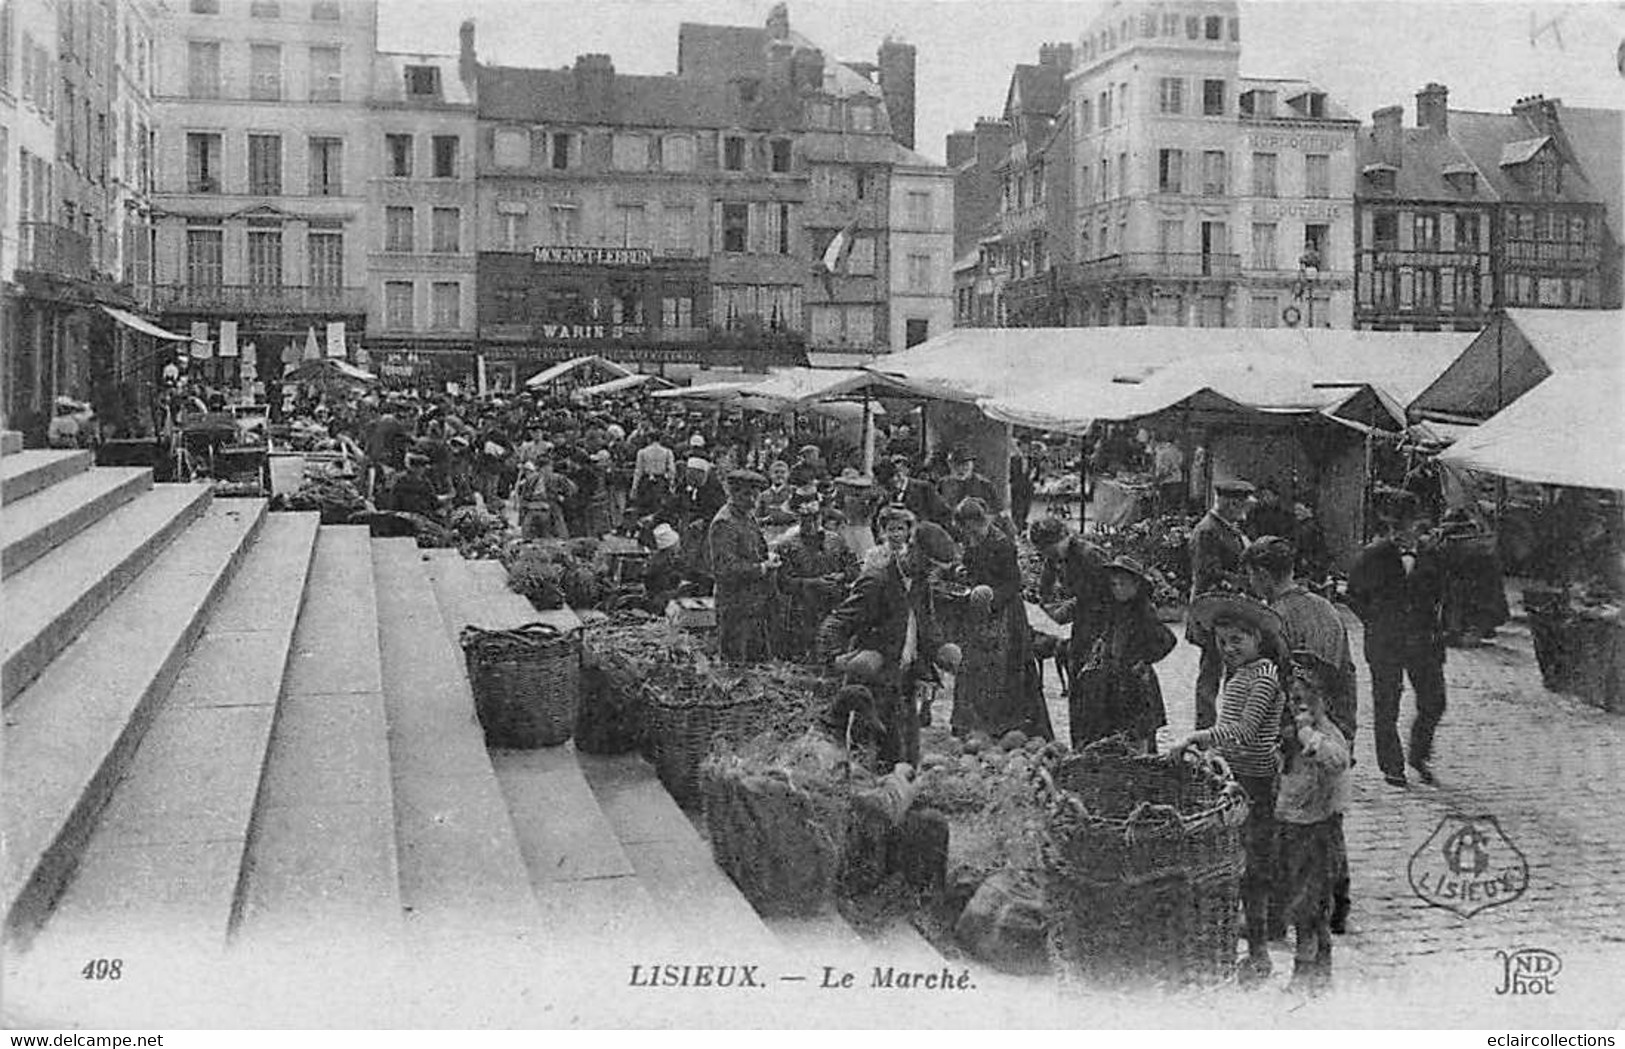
(1246, 735)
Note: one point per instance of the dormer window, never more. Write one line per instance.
(1461, 178)
(1548, 176)
(422, 82)
(1381, 177)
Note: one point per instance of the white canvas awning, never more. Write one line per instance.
(1566, 431)
(563, 368)
(625, 382)
(142, 325)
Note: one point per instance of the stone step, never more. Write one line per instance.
(32, 528)
(463, 876)
(11, 442)
(321, 871)
(26, 472)
(72, 733)
(50, 602)
(162, 865)
(582, 878)
(672, 861)
(494, 576)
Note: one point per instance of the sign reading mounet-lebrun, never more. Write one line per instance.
(563, 255)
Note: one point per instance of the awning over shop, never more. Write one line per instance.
(798, 387)
(625, 382)
(1566, 431)
(563, 368)
(705, 391)
(1514, 353)
(145, 327)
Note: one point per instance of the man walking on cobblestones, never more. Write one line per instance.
(1396, 587)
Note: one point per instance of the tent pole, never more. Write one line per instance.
(1500, 365)
(1083, 487)
(868, 436)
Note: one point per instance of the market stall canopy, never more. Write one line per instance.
(975, 364)
(145, 327)
(726, 390)
(1566, 431)
(563, 368)
(798, 387)
(1514, 353)
(328, 368)
(625, 382)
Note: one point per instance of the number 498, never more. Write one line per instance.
(103, 969)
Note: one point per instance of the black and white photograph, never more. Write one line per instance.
(812, 514)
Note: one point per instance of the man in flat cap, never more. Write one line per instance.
(743, 570)
(1216, 545)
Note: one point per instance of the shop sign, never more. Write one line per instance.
(572, 332)
(570, 256)
(1294, 140)
(1297, 210)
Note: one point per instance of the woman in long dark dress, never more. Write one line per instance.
(1117, 690)
(997, 688)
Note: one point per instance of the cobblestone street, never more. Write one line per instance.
(1549, 768)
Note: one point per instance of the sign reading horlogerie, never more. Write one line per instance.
(568, 256)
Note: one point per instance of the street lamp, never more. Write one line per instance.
(1303, 289)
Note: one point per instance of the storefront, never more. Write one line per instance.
(626, 304)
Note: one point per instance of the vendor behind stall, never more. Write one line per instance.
(815, 570)
(743, 569)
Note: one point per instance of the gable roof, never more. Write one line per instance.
(1486, 138)
(1425, 157)
(1597, 137)
(1522, 151)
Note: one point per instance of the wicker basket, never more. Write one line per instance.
(1144, 884)
(783, 846)
(681, 730)
(526, 682)
(610, 719)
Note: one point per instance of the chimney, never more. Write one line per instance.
(1432, 110)
(1539, 111)
(897, 89)
(1390, 132)
(594, 77)
(992, 142)
(467, 65)
(1058, 56)
(961, 146)
(778, 23)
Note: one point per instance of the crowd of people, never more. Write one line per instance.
(907, 576)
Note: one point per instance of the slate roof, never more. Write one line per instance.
(1425, 156)
(389, 78)
(860, 149)
(554, 96)
(1485, 136)
(1522, 151)
(1597, 137)
(1042, 90)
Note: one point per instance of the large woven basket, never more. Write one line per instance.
(610, 719)
(526, 682)
(681, 729)
(783, 846)
(1143, 860)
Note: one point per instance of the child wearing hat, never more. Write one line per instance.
(1313, 794)
(1246, 735)
(1117, 689)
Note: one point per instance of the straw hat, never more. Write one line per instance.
(1223, 604)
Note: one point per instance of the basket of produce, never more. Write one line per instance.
(526, 682)
(777, 815)
(336, 499)
(1143, 884)
(615, 661)
(553, 573)
(684, 725)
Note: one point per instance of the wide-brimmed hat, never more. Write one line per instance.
(1129, 566)
(1224, 604)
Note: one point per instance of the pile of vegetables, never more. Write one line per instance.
(481, 534)
(335, 498)
(552, 573)
(986, 788)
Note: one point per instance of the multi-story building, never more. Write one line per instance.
(61, 69)
(920, 238)
(654, 220)
(1180, 163)
(133, 139)
(1029, 221)
(265, 144)
(1469, 211)
(421, 219)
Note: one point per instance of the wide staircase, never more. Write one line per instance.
(244, 785)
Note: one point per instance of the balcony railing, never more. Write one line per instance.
(1185, 265)
(45, 247)
(256, 298)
